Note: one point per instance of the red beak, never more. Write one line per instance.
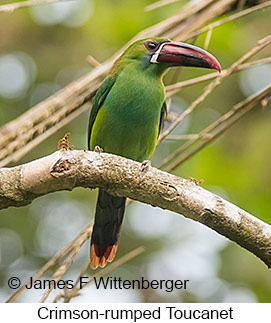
(181, 54)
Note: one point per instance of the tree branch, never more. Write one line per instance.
(66, 170)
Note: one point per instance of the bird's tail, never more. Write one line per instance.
(106, 230)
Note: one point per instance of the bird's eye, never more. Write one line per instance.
(152, 45)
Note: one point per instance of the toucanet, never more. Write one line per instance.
(126, 118)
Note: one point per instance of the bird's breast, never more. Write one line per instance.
(128, 122)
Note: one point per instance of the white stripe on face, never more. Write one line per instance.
(156, 54)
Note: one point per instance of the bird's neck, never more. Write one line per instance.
(139, 66)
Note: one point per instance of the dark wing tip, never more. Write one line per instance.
(101, 254)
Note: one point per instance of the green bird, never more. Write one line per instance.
(126, 118)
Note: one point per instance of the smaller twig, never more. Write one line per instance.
(231, 18)
(18, 5)
(176, 87)
(264, 102)
(171, 116)
(193, 105)
(241, 4)
(159, 4)
(188, 136)
(16, 155)
(68, 294)
(105, 271)
(52, 262)
(175, 75)
(207, 39)
(63, 268)
(92, 61)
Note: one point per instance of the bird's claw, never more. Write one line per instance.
(195, 181)
(98, 149)
(145, 165)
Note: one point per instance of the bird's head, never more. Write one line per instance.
(164, 53)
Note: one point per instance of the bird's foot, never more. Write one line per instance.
(145, 165)
(98, 149)
(63, 143)
(195, 181)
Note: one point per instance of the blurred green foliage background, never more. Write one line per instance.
(44, 48)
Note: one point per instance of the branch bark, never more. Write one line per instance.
(66, 170)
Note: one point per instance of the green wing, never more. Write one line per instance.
(162, 116)
(100, 97)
